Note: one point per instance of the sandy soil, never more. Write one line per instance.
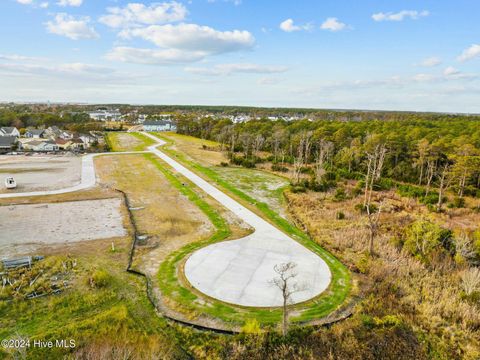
(40, 172)
(25, 228)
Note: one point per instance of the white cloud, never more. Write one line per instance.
(140, 14)
(470, 53)
(235, 2)
(194, 38)
(33, 3)
(268, 81)
(400, 16)
(289, 26)
(229, 69)
(15, 57)
(70, 3)
(72, 27)
(332, 24)
(431, 62)
(450, 71)
(154, 56)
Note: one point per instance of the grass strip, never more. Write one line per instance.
(316, 308)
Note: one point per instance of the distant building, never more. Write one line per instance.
(38, 145)
(35, 133)
(105, 115)
(159, 125)
(7, 143)
(9, 131)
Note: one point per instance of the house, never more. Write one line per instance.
(35, 133)
(160, 125)
(39, 145)
(7, 143)
(87, 139)
(9, 131)
(70, 144)
(105, 115)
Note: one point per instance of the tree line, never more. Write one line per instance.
(438, 154)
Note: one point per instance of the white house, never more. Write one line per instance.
(105, 115)
(35, 133)
(159, 125)
(9, 131)
(38, 145)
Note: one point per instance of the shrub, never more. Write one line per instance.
(363, 208)
(298, 189)
(279, 168)
(251, 326)
(224, 164)
(340, 194)
(100, 278)
(340, 215)
(422, 237)
(459, 202)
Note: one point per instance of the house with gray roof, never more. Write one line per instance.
(7, 143)
(35, 133)
(9, 131)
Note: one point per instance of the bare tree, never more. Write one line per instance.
(323, 155)
(257, 144)
(284, 281)
(375, 160)
(431, 170)
(303, 153)
(445, 180)
(373, 225)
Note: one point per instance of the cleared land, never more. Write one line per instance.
(40, 172)
(266, 239)
(26, 228)
(122, 141)
(162, 213)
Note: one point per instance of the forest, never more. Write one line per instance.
(435, 154)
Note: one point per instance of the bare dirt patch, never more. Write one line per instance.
(166, 217)
(40, 172)
(25, 228)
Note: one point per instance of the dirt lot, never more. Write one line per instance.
(168, 218)
(25, 228)
(40, 172)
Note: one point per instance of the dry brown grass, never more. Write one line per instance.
(428, 297)
(193, 147)
(167, 217)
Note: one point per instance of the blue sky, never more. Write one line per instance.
(369, 54)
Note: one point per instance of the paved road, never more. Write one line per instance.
(238, 271)
(241, 271)
(87, 179)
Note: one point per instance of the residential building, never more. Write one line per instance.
(39, 145)
(7, 143)
(105, 115)
(159, 125)
(9, 131)
(35, 133)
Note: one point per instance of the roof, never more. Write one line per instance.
(7, 141)
(8, 130)
(157, 123)
(36, 131)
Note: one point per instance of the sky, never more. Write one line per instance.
(387, 55)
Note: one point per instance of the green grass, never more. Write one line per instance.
(90, 316)
(316, 308)
(115, 144)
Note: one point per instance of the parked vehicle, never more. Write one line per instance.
(10, 183)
